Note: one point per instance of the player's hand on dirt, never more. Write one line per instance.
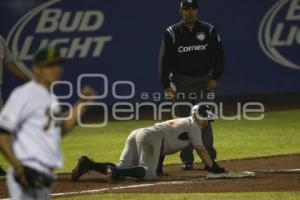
(211, 85)
(170, 93)
(88, 94)
(216, 169)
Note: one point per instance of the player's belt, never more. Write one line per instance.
(43, 165)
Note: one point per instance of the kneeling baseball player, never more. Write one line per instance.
(145, 146)
(31, 129)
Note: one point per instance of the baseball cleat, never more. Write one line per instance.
(81, 168)
(241, 174)
(2, 172)
(111, 174)
(187, 167)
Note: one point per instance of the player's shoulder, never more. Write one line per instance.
(172, 30)
(191, 121)
(185, 121)
(25, 90)
(193, 126)
(206, 25)
(177, 121)
(174, 27)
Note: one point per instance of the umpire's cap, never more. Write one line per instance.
(47, 56)
(189, 3)
(204, 111)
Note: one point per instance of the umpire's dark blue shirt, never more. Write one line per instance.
(195, 52)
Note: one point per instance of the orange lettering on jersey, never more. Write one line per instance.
(171, 122)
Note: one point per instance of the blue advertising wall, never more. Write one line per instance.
(122, 40)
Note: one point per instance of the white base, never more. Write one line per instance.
(241, 174)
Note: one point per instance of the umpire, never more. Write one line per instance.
(191, 63)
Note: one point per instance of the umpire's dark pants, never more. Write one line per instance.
(192, 90)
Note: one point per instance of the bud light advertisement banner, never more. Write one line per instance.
(119, 41)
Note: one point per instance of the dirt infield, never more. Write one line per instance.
(272, 175)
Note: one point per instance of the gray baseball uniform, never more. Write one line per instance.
(144, 146)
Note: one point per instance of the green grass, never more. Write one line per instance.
(277, 134)
(194, 196)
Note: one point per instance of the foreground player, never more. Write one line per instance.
(30, 131)
(6, 59)
(145, 146)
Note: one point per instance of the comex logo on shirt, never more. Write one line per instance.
(183, 49)
(56, 23)
(279, 33)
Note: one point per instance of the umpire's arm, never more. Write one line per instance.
(165, 61)
(218, 64)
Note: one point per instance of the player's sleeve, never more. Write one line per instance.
(195, 135)
(8, 57)
(219, 55)
(165, 57)
(12, 113)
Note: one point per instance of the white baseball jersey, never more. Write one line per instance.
(36, 135)
(179, 133)
(5, 57)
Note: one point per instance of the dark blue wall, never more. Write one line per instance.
(136, 28)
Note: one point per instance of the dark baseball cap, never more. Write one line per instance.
(189, 3)
(47, 56)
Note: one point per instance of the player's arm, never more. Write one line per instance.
(203, 154)
(8, 153)
(77, 111)
(11, 117)
(12, 65)
(14, 68)
(195, 135)
(71, 122)
(7, 149)
(196, 139)
(213, 166)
